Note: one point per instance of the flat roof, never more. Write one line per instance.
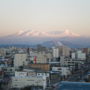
(66, 85)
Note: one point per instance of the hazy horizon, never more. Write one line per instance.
(44, 15)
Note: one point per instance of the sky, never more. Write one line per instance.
(45, 15)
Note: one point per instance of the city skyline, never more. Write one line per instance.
(44, 15)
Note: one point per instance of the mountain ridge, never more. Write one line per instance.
(31, 37)
(47, 33)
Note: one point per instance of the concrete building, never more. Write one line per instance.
(79, 55)
(9, 71)
(64, 51)
(46, 74)
(72, 63)
(73, 55)
(61, 51)
(56, 69)
(86, 50)
(2, 51)
(35, 81)
(65, 71)
(20, 74)
(55, 52)
(20, 60)
(40, 57)
(77, 58)
(45, 67)
(30, 72)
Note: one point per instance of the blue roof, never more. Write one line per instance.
(65, 85)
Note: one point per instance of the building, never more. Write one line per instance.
(42, 73)
(24, 81)
(65, 71)
(72, 63)
(55, 52)
(79, 55)
(61, 51)
(64, 51)
(65, 85)
(40, 57)
(86, 50)
(2, 51)
(45, 67)
(30, 72)
(20, 60)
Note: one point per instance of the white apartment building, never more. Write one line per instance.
(21, 82)
(55, 52)
(20, 60)
(71, 62)
(79, 55)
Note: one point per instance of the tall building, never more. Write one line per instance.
(64, 51)
(55, 52)
(20, 60)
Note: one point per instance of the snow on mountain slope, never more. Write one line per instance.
(31, 37)
(53, 34)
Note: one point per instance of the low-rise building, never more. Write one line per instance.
(65, 71)
(79, 55)
(45, 67)
(35, 81)
(40, 57)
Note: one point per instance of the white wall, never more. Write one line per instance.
(20, 74)
(65, 71)
(20, 60)
(73, 55)
(81, 56)
(56, 68)
(43, 74)
(21, 82)
(55, 52)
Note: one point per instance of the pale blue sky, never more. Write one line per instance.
(45, 15)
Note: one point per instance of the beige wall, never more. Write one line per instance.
(41, 57)
(64, 51)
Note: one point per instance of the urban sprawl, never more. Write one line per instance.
(43, 68)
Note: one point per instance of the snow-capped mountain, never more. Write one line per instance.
(53, 34)
(30, 37)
